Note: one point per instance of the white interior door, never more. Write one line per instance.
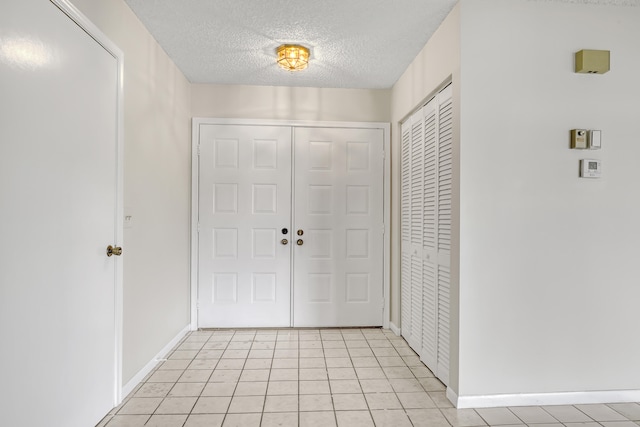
(58, 192)
(338, 206)
(244, 208)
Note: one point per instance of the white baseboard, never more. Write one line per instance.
(452, 396)
(137, 378)
(394, 328)
(537, 399)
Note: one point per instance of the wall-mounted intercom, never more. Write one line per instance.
(590, 168)
(579, 138)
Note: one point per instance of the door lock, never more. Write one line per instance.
(300, 232)
(114, 250)
(285, 231)
(284, 241)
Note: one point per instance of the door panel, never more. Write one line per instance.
(58, 183)
(338, 205)
(244, 205)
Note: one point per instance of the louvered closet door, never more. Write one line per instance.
(429, 261)
(445, 170)
(417, 183)
(405, 277)
(412, 229)
(426, 231)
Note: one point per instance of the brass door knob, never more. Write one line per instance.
(299, 242)
(284, 241)
(114, 250)
(300, 232)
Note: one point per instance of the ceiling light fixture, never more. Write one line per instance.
(293, 57)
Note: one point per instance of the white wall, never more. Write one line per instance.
(437, 63)
(549, 279)
(290, 103)
(156, 185)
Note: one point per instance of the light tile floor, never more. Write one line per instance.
(319, 378)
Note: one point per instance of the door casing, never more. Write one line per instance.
(195, 173)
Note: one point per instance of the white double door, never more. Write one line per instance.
(290, 226)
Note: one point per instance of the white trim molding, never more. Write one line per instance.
(137, 378)
(452, 396)
(195, 191)
(395, 329)
(538, 399)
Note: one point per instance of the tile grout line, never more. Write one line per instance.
(233, 393)
(358, 377)
(299, 368)
(395, 393)
(326, 366)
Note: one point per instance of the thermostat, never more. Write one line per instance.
(590, 168)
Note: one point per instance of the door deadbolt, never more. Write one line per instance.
(285, 231)
(300, 232)
(299, 242)
(284, 241)
(114, 250)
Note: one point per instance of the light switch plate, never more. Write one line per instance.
(595, 139)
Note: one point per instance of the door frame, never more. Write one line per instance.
(94, 32)
(195, 173)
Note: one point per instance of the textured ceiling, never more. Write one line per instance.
(354, 43)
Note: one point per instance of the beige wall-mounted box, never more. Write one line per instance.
(592, 61)
(579, 138)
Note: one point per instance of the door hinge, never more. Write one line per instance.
(198, 150)
(198, 227)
